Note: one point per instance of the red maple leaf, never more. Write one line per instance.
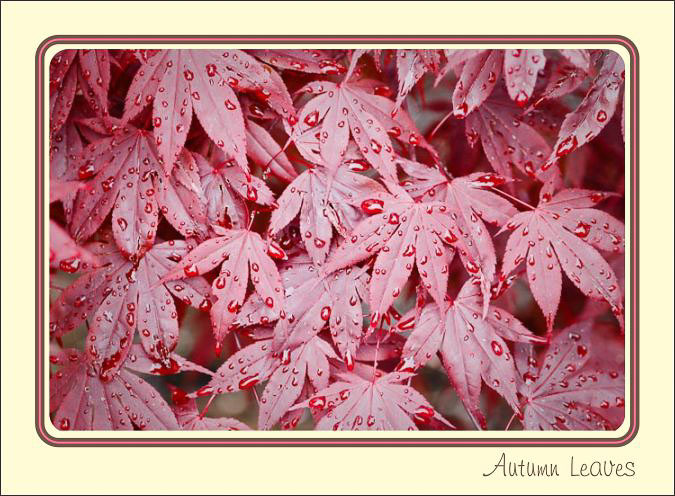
(509, 142)
(315, 299)
(521, 68)
(324, 199)
(121, 296)
(471, 348)
(594, 112)
(70, 70)
(179, 82)
(190, 419)
(563, 232)
(80, 400)
(310, 61)
(380, 402)
(400, 232)
(339, 111)
(240, 253)
(571, 385)
(125, 171)
(478, 77)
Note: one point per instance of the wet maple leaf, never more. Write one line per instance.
(478, 77)
(240, 253)
(467, 202)
(578, 58)
(323, 199)
(521, 68)
(190, 419)
(310, 61)
(121, 296)
(594, 112)
(70, 70)
(64, 150)
(124, 167)
(338, 111)
(80, 400)
(315, 299)
(382, 402)
(571, 385)
(509, 142)
(411, 65)
(472, 349)
(398, 125)
(64, 253)
(564, 79)
(306, 363)
(400, 232)
(179, 82)
(563, 232)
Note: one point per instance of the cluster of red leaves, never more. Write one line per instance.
(291, 195)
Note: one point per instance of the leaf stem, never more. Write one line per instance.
(524, 204)
(377, 352)
(438, 126)
(250, 215)
(513, 417)
(208, 404)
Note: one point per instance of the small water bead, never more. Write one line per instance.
(567, 146)
(275, 251)
(318, 402)
(582, 229)
(357, 165)
(372, 206)
(70, 265)
(312, 119)
(349, 360)
(521, 99)
(461, 110)
(423, 414)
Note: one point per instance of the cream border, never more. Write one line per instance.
(29, 466)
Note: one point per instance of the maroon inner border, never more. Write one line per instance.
(483, 441)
